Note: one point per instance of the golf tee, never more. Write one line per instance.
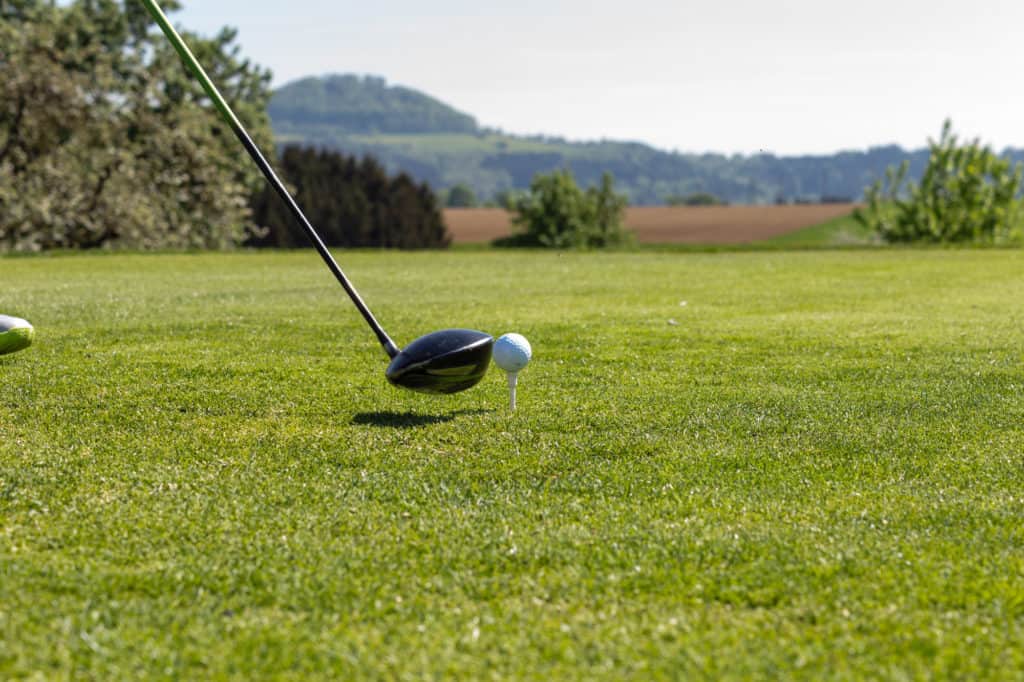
(513, 379)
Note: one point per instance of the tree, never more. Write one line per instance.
(695, 199)
(507, 199)
(105, 141)
(352, 202)
(967, 194)
(608, 210)
(557, 213)
(461, 196)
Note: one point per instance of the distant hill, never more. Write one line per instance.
(408, 130)
(354, 105)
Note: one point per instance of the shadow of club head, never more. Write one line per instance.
(447, 361)
(411, 420)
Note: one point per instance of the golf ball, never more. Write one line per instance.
(512, 352)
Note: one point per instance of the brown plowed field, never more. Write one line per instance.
(670, 224)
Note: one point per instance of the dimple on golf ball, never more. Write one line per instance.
(512, 352)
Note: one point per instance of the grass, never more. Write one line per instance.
(811, 470)
(838, 232)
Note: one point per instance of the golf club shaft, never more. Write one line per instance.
(222, 106)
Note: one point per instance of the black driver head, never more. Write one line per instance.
(447, 361)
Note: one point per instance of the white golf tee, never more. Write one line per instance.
(513, 379)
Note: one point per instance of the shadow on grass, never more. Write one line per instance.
(408, 420)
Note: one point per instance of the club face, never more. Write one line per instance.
(447, 361)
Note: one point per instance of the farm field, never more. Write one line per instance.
(730, 466)
(670, 224)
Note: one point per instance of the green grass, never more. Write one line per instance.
(812, 470)
(838, 232)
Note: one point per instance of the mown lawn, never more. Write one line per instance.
(838, 232)
(814, 469)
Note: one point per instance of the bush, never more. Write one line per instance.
(557, 213)
(351, 203)
(106, 142)
(696, 199)
(967, 194)
(461, 196)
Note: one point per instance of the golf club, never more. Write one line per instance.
(446, 361)
(15, 334)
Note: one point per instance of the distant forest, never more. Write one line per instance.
(412, 132)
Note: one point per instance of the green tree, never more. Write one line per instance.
(967, 194)
(105, 141)
(461, 196)
(506, 199)
(608, 211)
(557, 213)
(352, 202)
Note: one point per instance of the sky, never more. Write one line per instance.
(730, 76)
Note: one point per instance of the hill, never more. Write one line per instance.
(348, 105)
(434, 142)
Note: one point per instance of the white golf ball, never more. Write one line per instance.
(512, 352)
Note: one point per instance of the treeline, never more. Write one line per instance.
(496, 163)
(351, 202)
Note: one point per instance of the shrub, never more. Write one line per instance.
(695, 199)
(351, 202)
(461, 196)
(557, 213)
(967, 194)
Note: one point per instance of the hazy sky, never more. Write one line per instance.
(793, 76)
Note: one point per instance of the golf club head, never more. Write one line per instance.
(16, 334)
(447, 361)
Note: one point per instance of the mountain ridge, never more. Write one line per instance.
(413, 132)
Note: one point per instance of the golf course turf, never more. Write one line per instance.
(806, 465)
